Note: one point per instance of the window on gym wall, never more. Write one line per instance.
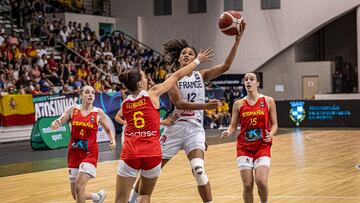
(197, 6)
(236, 5)
(270, 4)
(162, 7)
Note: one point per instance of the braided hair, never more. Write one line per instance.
(173, 49)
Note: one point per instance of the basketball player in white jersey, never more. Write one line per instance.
(188, 133)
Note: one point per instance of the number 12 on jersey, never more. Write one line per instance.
(191, 97)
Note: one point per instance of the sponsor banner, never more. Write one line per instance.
(16, 109)
(110, 103)
(101, 135)
(232, 80)
(318, 113)
(214, 94)
(43, 137)
(53, 105)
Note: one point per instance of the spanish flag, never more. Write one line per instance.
(16, 109)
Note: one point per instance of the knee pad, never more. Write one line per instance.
(198, 170)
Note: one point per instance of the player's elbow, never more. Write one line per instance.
(226, 66)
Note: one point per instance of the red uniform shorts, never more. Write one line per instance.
(77, 156)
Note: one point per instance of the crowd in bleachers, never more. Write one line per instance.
(29, 66)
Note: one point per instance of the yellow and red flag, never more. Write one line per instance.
(16, 109)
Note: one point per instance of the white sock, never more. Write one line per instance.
(95, 196)
(133, 196)
(209, 202)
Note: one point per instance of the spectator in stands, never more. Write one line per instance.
(35, 73)
(87, 28)
(45, 84)
(52, 63)
(82, 73)
(213, 117)
(2, 81)
(11, 89)
(2, 36)
(42, 60)
(65, 89)
(224, 113)
(64, 34)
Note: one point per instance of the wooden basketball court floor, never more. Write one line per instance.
(308, 166)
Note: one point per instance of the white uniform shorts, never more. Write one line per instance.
(183, 135)
(248, 163)
(83, 168)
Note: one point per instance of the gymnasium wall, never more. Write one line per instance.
(283, 70)
(268, 31)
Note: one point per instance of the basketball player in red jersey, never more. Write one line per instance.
(83, 148)
(141, 153)
(258, 124)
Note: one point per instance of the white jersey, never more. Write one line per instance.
(192, 89)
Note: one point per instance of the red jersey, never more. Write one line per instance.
(142, 131)
(254, 120)
(83, 146)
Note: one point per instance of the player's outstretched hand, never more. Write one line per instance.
(241, 31)
(206, 55)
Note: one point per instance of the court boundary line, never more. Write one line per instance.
(239, 196)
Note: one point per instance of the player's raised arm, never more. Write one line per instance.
(161, 88)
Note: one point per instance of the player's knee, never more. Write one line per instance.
(248, 188)
(198, 170)
(79, 187)
(261, 184)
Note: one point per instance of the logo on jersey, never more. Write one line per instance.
(197, 76)
(92, 119)
(262, 105)
(163, 139)
(142, 133)
(297, 112)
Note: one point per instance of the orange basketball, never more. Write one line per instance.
(229, 22)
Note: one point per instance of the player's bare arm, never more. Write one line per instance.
(217, 70)
(273, 119)
(65, 117)
(161, 88)
(109, 133)
(234, 119)
(119, 117)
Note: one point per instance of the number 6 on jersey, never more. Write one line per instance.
(139, 121)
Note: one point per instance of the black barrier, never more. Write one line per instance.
(318, 113)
